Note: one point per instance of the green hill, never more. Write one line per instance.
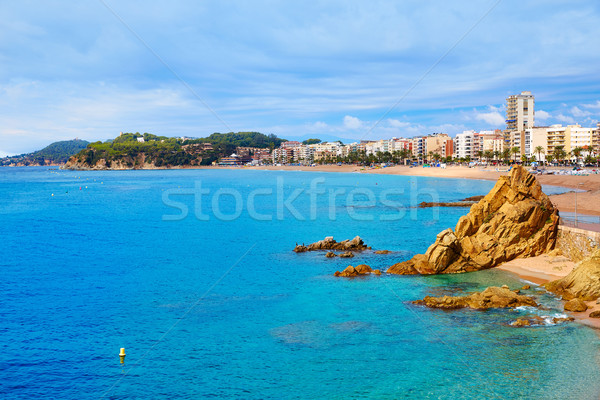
(55, 153)
(136, 150)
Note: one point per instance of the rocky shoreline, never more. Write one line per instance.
(514, 220)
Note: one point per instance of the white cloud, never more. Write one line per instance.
(542, 115)
(595, 105)
(577, 112)
(352, 122)
(397, 123)
(565, 118)
(492, 117)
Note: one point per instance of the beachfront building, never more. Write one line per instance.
(520, 112)
(399, 144)
(520, 116)
(466, 144)
(596, 140)
(491, 141)
(438, 143)
(233, 159)
(305, 155)
(379, 146)
(283, 155)
(537, 137)
(418, 146)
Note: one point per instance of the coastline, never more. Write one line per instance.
(587, 200)
(546, 268)
(539, 270)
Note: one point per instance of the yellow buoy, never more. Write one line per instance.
(122, 355)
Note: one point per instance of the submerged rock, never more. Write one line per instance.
(559, 320)
(515, 219)
(583, 282)
(492, 297)
(347, 254)
(520, 322)
(329, 243)
(576, 305)
(361, 269)
(330, 254)
(382, 252)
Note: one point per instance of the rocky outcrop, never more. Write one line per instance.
(329, 243)
(595, 314)
(492, 297)
(330, 254)
(583, 282)
(382, 252)
(515, 219)
(347, 254)
(576, 305)
(468, 202)
(362, 269)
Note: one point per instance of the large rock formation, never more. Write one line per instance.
(362, 269)
(492, 297)
(515, 219)
(329, 243)
(583, 282)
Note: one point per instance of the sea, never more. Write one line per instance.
(193, 273)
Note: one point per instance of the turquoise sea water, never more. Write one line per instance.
(209, 300)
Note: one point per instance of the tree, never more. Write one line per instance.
(515, 150)
(577, 153)
(539, 150)
(559, 153)
(506, 155)
(311, 141)
(488, 154)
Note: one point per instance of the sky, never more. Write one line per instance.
(350, 70)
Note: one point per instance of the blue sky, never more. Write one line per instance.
(329, 69)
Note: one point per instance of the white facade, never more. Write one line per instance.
(465, 144)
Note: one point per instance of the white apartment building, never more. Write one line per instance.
(466, 144)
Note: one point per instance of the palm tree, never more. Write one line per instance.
(497, 155)
(488, 154)
(505, 155)
(577, 153)
(515, 150)
(559, 153)
(539, 150)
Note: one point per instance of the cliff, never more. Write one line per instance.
(515, 219)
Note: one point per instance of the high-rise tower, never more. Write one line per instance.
(519, 117)
(519, 112)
